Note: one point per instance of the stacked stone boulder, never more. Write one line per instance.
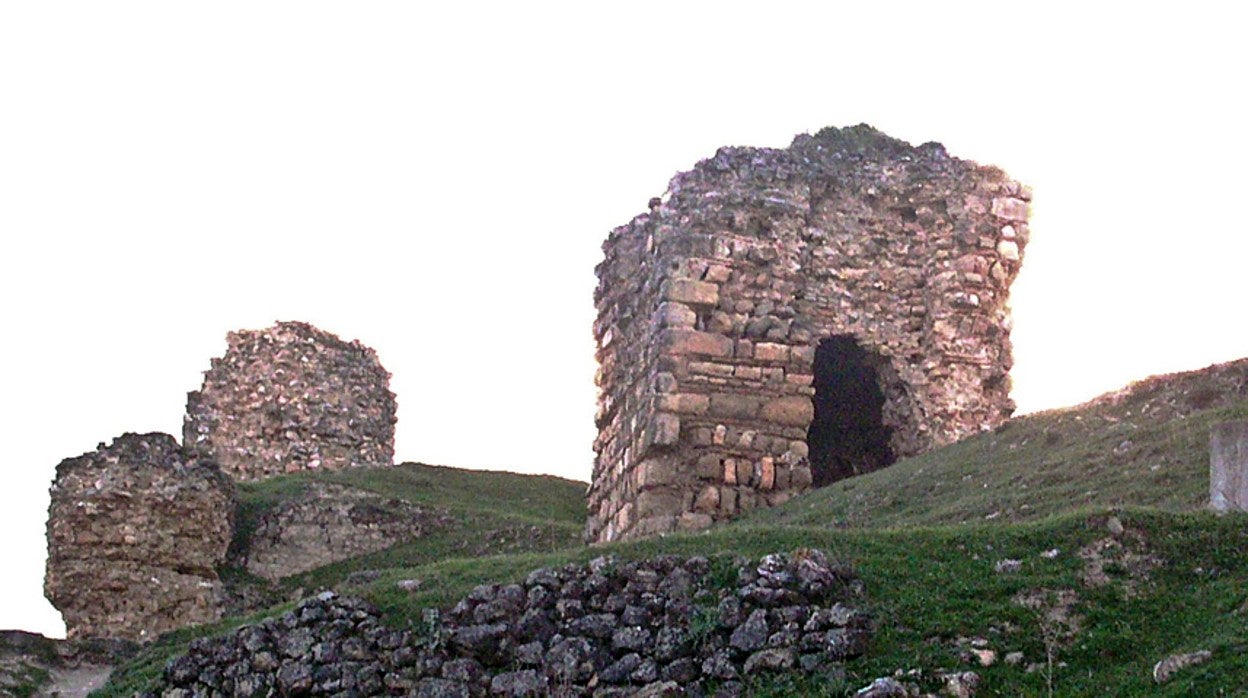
(291, 398)
(609, 628)
(713, 306)
(136, 531)
(328, 523)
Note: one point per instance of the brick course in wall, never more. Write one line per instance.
(290, 398)
(713, 308)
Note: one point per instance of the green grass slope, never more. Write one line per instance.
(1090, 611)
(1145, 445)
(1075, 537)
(492, 512)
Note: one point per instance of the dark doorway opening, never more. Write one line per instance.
(847, 436)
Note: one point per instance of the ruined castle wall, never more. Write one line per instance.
(329, 523)
(712, 306)
(289, 398)
(136, 531)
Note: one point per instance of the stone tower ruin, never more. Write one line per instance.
(136, 532)
(289, 398)
(783, 318)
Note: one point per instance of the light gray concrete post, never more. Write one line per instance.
(1228, 466)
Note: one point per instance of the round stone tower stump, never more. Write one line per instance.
(290, 398)
(136, 531)
(785, 317)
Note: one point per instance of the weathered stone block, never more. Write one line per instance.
(752, 373)
(802, 379)
(693, 521)
(746, 499)
(717, 273)
(709, 466)
(710, 368)
(654, 472)
(770, 351)
(664, 429)
(734, 406)
(657, 502)
(673, 314)
(685, 342)
(707, 500)
(789, 411)
(720, 322)
(1008, 250)
(767, 473)
(623, 519)
(1228, 466)
(1010, 208)
(665, 383)
(691, 292)
(745, 472)
(652, 526)
(684, 403)
(803, 355)
(800, 449)
(801, 477)
(775, 499)
(784, 475)
(998, 273)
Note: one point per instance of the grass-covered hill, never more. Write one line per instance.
(1145, 445)
(1072, 543)
(491, 513)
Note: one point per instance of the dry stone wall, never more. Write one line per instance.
(329, 523)
(787, 317)
(290, 398)
(661, 627)
(136, 530)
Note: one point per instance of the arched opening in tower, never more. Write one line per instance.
(847, 436)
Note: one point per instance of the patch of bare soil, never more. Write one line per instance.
(77, 682)
(1111, 560)
(1121, 558)
(1055, 608)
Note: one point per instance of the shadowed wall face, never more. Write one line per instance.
(847, 436)
(781, 317)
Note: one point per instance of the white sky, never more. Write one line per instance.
(437, 183)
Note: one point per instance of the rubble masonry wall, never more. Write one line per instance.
(136, 531)
(289, 398)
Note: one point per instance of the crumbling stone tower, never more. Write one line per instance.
(136, 532)
(783, 318)
(289, 398)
